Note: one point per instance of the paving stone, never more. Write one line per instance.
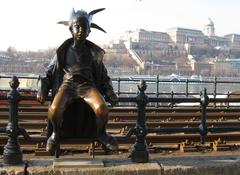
(174, 165)
(77, 163)
(202, 165)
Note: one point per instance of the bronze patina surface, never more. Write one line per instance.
(77, 72)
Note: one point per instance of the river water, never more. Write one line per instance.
(174, 84)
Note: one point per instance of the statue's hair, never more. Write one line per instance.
(84, 14)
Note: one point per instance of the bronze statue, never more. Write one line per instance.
(77, 71)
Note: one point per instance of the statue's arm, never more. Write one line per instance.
(45, 83)
(107, 87)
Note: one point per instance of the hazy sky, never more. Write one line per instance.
(32, 24)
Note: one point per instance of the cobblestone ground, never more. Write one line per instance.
(169, 163)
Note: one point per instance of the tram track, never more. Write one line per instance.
(33, 117)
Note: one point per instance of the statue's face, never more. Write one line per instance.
(80, 28)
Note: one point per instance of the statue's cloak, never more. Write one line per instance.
(79, 118)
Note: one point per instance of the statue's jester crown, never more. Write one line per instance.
(83, 14)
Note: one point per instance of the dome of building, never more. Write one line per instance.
(209, 29)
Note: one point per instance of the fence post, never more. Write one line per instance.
(204, 100)
(12, 153)
(215, 91)
(186, 87)
(172, 103)
(118, 89)
(228, 95)
(157, 90)
(140, 153)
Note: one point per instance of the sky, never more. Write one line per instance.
(32, 24)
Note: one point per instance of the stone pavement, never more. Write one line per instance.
(183, 164)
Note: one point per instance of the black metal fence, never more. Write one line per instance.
(160, 85)
(13, 155)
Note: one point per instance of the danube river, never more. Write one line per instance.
(167, 84)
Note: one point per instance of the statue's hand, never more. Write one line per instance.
(40, 97)
(113, 99)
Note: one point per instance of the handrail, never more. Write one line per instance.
(137, 79)
(156, 82)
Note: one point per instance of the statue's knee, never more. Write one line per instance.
(54, 113)
(51, 112)
(102, 111)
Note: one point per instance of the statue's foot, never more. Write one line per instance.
(108, 141)
(52, 145)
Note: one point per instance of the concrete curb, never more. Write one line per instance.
(201, 165)
(197, 165)
(123, 167)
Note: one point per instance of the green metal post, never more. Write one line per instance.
(203, 127)
(118, 90)
(215, 91)
(140, 153)
(186, 87)
(228, 95)
(12, 153)
(157, 90)
(172, 103)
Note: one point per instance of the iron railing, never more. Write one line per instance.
(140, 152)
(157, 83)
